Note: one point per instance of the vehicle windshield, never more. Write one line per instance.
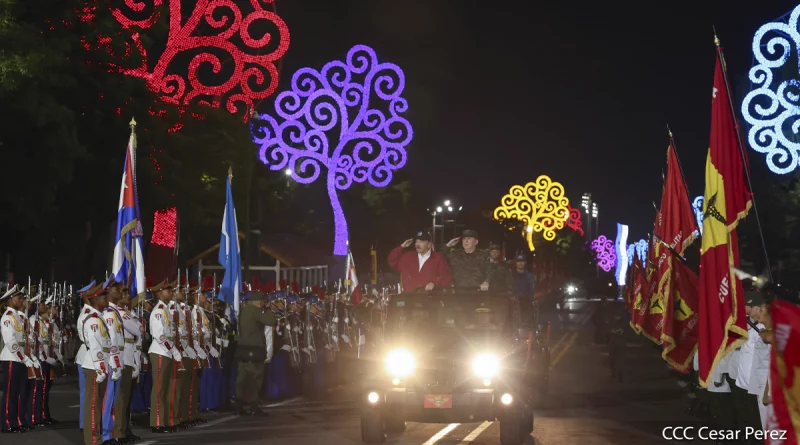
(423, 318)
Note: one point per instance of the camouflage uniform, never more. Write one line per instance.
(469, 269)
(500, 279)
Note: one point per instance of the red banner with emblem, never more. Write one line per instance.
(639, 295)
(679, 352)
(723, 326)
(785, 373)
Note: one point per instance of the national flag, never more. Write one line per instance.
(653, 318)
(351, 280)
(128, 260)
(727, 199)
(678, 230)
(785, 373)
(680, 333)
(229, 258)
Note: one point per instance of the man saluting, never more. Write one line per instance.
(423, 268)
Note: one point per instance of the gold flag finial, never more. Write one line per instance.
(716, 39)
(132, 123)
(669, 131)
(230, 172)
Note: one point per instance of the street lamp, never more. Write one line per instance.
(446, 207)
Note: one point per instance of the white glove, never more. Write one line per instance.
(36, 363)
(60, 357)
(213, 351)
(135, 372)
(484, 286)
(51, 361)
(190, 353)
(145, 360)
(27, 361)
(100, 377)
(202, 354)
(225, 343)
(116, 374)
(176, 355)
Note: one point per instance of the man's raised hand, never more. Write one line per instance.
(429, 287)
(453, 242)
(407, 243)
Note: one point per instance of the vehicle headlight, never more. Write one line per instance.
(400, 363)
(486, 366)
(571, 289)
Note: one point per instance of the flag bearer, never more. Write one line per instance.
(115, 360)
(131, 329)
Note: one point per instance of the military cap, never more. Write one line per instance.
(11, 292)
(112, 282)
(423, 235)
(277, 295)
(469, 233)
(158, 287)
(95, 291)
(494, 246)
(753, 298)
(521, 257)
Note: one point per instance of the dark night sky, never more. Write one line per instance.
(501, 92)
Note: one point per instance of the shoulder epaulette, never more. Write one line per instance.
(10, 312)
(86, 311)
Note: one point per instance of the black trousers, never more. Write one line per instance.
(746, 406)
(13, 401)
(39, 391)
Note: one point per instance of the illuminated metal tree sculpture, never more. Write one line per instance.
(345, 119)
(606, 256)
(213, 28)
(574, 222)
(631, 252)
(540, 205)
(641, 250)
(771, 107)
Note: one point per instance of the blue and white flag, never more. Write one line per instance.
(128, 264)
(229, 258)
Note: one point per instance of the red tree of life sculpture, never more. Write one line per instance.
(213, 27)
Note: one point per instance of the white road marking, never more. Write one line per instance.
(216, 422)
(476, 432)
(75, 406)
(443, 432)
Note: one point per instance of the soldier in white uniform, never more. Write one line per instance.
(13, 359)
(746, 404)
(53, 355)
(126, 330)
(759, 374)
(183, 384)
(164, 358)
(30, 350)
(85, 311)
(95, 363)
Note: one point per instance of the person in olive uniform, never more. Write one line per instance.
(251, 350)
(469, 265)
(501, 282)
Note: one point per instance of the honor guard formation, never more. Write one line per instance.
(177, 351)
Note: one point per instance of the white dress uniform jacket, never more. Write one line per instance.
(746, 358)
(98, 344)
(131, 330)
(183, 329)
(718, 382)
(85, 311)
(161, 330)
(199, 332)
(13, 332)
(114, 324)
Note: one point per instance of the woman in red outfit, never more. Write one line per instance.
(422, 268)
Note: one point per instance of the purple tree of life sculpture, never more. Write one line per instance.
(344, 119)
(606, 256)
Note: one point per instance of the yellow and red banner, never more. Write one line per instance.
(723, 326)
(678, 229)
(785, 373)
(639, 295)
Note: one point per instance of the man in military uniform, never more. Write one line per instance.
(469, 264)
(95, 363)
(501, 282)
(164, 355)
(14, 360)
(251, 351)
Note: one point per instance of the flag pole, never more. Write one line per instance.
(741, 150)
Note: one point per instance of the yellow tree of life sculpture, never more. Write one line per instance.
(540, 205)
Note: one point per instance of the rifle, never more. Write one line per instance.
(214, 324)
(33, 372)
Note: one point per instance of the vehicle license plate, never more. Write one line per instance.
(438, 401)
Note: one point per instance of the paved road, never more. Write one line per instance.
(585, 406)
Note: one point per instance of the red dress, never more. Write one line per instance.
(435, 270)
